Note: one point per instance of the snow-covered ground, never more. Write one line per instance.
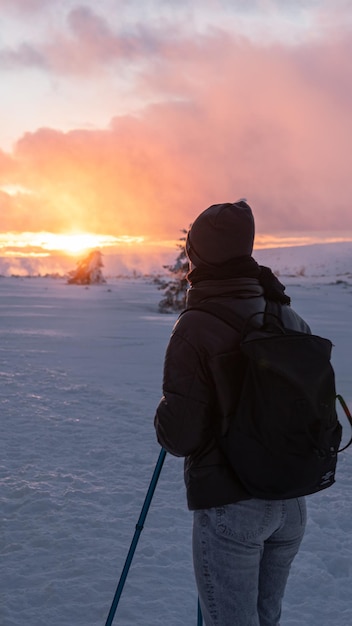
(80, 377)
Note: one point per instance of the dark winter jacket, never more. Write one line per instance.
(187, 415)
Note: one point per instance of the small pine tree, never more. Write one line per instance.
(89, 270)
(175, 290)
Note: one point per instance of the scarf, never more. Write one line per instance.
(243, 267)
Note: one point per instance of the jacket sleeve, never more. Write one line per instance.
(183, 416)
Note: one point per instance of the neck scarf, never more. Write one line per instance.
(243, 267)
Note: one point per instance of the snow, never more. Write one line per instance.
(80, 377)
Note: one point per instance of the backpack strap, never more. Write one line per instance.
(349, 417)
(273, 314)
(273, 308)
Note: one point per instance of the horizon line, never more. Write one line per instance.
(45, 244)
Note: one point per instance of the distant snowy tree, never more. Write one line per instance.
(175, 290)
(89, 270)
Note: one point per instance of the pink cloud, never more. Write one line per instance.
(271, 123)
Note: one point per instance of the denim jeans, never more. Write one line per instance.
(242, 555)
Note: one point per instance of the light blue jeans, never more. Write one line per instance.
(242, 555)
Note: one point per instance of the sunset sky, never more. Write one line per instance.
(122, 120)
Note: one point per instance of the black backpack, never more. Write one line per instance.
(283, 435)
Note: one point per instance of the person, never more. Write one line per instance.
(243, 547)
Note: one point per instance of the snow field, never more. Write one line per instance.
(80, 377)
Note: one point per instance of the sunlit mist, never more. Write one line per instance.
(44, 243)
(291, 240)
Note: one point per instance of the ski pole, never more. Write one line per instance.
(139, 528)
(199, 616)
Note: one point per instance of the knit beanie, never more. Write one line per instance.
(221, 233)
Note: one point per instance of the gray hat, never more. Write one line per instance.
(221, 233)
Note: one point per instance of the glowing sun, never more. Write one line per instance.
(76, 243)
(44, 243)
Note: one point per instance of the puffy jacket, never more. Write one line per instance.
(187, 413)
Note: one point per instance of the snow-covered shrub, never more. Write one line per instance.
(175, 288)
(88, 271)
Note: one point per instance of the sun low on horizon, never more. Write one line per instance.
(78, 243)
(34, 244)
